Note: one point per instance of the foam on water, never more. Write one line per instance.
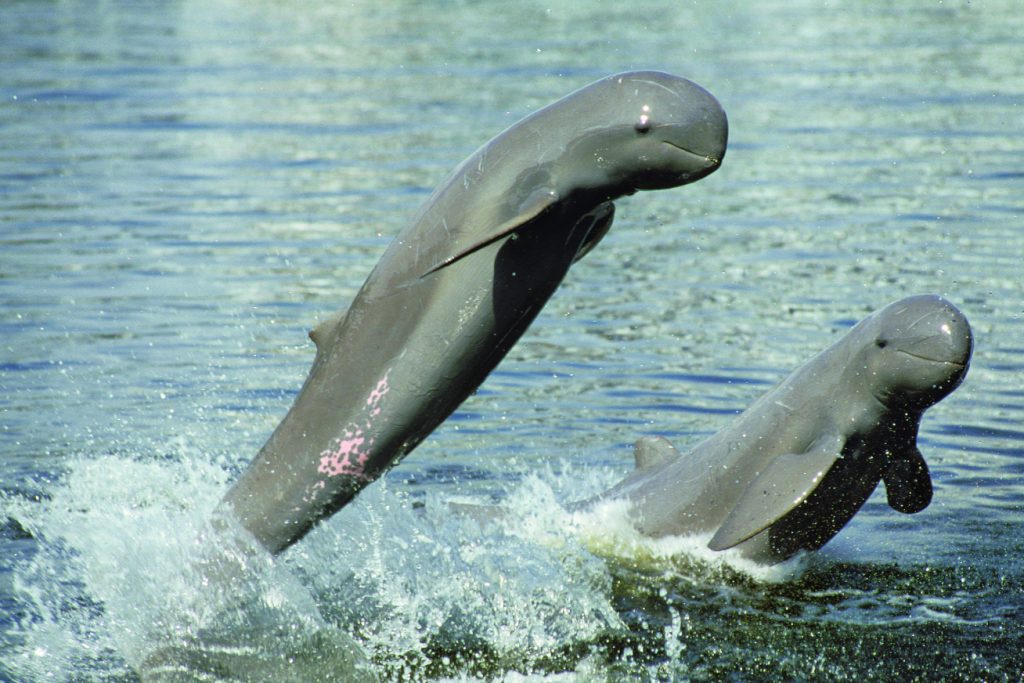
(129, 573)
(425, 586)
(606, 530)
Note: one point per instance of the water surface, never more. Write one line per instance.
(186, 188)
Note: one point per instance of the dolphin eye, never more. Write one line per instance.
(881, 343)
(643, 124)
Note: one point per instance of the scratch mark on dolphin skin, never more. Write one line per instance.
(351, 452)
(636, 92)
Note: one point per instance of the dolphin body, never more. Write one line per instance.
(460, 284)
(796, 466)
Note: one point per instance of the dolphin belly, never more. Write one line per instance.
(383, 381)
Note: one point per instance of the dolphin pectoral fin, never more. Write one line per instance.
(650, 451)
(539, 201)
(596, 223)
(780, 487)
(908, 485)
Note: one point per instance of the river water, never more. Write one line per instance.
(187, 187)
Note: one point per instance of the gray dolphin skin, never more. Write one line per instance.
(796, 466)
(460, 284)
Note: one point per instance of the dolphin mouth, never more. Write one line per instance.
(684, 167)
(943, 361)
(709, 160)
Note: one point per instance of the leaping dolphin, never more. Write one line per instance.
(796, 466)
(460, 284)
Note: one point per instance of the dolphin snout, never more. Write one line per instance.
(938, 332)
(707, 137)
(924, 345)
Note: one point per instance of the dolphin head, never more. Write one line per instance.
(918, 351)
(648, 130)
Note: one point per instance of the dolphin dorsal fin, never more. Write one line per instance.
(322, 332)
(650, 451)
(782, 485)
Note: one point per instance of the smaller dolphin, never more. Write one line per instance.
(796, 466)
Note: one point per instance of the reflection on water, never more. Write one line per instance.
(185, 189)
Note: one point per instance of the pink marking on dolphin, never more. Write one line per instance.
(374, 399)
(348, 456)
